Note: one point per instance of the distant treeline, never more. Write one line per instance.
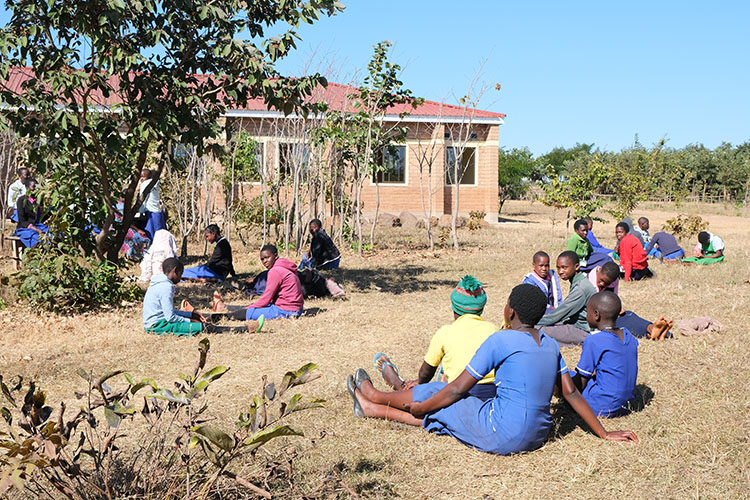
(577, 177)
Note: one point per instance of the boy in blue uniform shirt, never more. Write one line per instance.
(159, 314)
(608, 368)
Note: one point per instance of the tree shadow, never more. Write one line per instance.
(565, 420)
(516, 221)
(313, 311)
(404, 279)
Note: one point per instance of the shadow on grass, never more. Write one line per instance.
(404, 279)
(517, 221)
(565, 420)
(313, 311)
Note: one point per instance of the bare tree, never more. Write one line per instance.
(460, 134)
(429, 148)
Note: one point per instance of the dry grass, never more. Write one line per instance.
(693, 432)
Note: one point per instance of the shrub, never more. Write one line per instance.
(65, 283)
(685, 226)
(475, 219)
(178, 451)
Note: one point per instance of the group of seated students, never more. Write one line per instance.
(284, 285)
(496, 387)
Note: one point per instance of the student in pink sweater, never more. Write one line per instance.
(283, 295)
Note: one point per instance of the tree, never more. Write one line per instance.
(515, 168)
(109, 79)
(362, 135)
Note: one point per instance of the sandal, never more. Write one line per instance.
(385, 363)
(351, 386)
(361, 376)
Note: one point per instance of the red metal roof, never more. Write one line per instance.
(335, 95)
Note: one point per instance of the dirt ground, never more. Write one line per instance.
(694, 429)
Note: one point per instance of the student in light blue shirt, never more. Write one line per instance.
(608, 368)
(159, 314)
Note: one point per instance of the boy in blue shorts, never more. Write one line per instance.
(608, 368)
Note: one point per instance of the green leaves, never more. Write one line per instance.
(298, 377)
(260, 438)
(216, 436)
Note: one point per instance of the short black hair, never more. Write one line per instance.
(316, 222)
(213, 229)
(579, 223)
(529, 303)
(22, 169)
(539, 255)
(270, 248)
(624, 226)
(607, 303)
(171, 264)
(642, 219)
(28, 182)
(571, 255)
(703, 237)
(611, 270)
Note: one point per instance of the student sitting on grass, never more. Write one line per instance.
(642, 229)
(219, 266)
(452, 345)
(579, 244)
(30, 225)
(667, 245)
(710, 249)
(323, 253)
(527, 365)
(607, 278)
(567, 323)
(598, 248)
(159, 314)
(608, 368)
(282, 297)
(546, 279)
(632, 256)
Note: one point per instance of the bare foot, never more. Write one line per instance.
(186, 306)
(218, 304)
(658, 328)
(390, 376)
(669, 326)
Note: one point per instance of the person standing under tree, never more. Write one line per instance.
(151, 207)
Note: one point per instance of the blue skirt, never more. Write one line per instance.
(198, 272)
(595, 259)
(155, 221)
(470, 421)
(29, 237)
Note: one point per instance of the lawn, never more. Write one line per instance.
(693, 430)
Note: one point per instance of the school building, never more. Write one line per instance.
(438, 136)
(422, 166)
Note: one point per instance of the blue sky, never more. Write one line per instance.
(570, 72)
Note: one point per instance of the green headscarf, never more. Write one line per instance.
(468, 297)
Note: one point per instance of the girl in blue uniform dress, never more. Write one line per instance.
(528, 365)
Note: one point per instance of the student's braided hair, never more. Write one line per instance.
(270, 248)
(529, 303)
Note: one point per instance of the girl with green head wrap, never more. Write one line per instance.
(468, 297)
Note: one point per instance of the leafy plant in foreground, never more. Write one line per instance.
(177, 452)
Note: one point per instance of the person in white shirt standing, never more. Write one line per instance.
(15, 190)
(151, 207)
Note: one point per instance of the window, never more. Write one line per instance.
(293, 155)
(394, 166)
(467, 165)
(245, 162)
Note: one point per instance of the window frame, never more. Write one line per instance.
(405, 182)
(475, 182)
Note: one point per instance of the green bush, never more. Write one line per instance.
(685, 226)
(66, 283)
